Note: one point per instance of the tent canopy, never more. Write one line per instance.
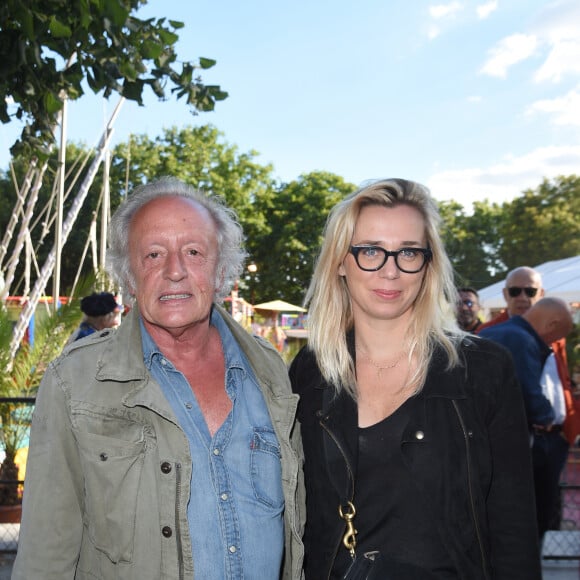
(560, 278)
(278, 306)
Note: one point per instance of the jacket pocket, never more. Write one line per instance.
(265, 468)
(112, 469)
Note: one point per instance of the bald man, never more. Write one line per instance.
(523, 288)
(528, 337)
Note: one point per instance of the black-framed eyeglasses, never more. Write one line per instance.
(373, 258)
(514, 291)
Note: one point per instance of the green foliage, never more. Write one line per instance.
(470, 241)
(542, 224)
(20, 378)
(50, 47)
(285, 254)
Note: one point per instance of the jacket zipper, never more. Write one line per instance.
(352, 486)
(177, 524)
(470, 487)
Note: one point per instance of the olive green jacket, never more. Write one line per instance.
(109, 468)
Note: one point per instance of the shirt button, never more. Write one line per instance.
(103, 456)
(166, 467)
(188, 405)
(419, 435)
(216, 451)
(232, 549)
(163, 362)
(167, 531)
(224, 496)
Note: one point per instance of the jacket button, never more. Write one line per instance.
(167, 531)
(103, 456)
(166, 467)
(419, 435)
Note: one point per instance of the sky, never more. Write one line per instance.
(475, 99)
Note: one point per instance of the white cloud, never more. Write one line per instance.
(507, 179)
(474, 99)
(565, 110)
(507, 52)
(563, 59)
(557, 25)
(484, 10)
(440, 11)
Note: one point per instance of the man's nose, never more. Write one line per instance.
(174, 267)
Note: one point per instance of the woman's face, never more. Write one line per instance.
(388, 293)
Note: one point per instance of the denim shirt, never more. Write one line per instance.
(236, 506)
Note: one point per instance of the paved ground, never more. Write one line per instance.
(6, 566)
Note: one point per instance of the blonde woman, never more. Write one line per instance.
(416, 444)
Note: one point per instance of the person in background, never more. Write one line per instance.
(101, 311)
(468, 309)
(528, 338)
(167, 449)
(523, 288)
(417, 457)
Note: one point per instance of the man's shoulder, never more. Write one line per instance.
(501, 317)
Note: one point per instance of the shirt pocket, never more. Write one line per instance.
(112, 468)
(266, 468)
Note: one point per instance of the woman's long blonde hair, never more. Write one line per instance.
(330, 316)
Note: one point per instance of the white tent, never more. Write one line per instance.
(560, 278)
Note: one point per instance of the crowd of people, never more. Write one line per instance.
(408, 439)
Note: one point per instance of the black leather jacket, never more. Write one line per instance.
(467, 447)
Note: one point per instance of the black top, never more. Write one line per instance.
(391, 516)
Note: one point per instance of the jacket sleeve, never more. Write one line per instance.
(510, 502)
(51, 528)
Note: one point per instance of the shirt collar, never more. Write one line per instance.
(233, 355)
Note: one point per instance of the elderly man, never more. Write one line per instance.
(166, 449)
(528, 338)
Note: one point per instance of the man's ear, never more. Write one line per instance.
(541, 292)
(505, 294)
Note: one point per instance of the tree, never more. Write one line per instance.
(49, 47)
(472, 242)
(542, 224)
(201, 157)
(286, 254)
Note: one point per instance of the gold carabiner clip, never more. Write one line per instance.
(349, 538)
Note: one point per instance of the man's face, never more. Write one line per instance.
(467, 310)
(521, 284)
(173, 254)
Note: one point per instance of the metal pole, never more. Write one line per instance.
(58, 241)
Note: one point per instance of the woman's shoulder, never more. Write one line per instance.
(488, 366)
(304, 371)
(475, 349)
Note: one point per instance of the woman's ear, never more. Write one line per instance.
(341, 270)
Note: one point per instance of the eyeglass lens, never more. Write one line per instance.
(514, 291)
(373, 258)
(468, 303)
